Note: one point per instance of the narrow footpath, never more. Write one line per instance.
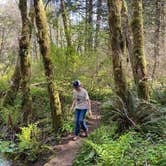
(67, 150)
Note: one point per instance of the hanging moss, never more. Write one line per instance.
(44, 43)
(139, 61)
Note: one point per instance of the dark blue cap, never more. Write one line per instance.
(76, 83)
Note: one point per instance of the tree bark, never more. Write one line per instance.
(44, 42)
(24, 51)
(157, 36)
(139, 61)
(114, 9)
(126, 32)
(98, 22)
(89, 26)
(65, 23)
(2, 41)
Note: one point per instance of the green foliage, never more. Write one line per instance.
(68, 125)
(28, 136)
(147, 116)
(64, 64)
(41, 104)
(87, 154)
(38, 74)
(129, 148)
(100, 93)
(158, 95)
(12, 111)
(28, 147)
(7, 147)
(29, 142)
(4, 82)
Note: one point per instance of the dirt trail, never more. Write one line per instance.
(67, 150)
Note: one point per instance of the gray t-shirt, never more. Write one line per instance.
(81, 98)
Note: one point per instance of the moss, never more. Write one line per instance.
(66, 28)
(139, 61)
(117, 44)
(24, 53)
(44, 43)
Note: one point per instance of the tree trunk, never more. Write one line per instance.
(163, 27)
(98, 22)
(2, 41)
(157, 36)
(44, 43)
(65, 23)
(89, 26)
(126, 31)
(139, 61)
(24, 51)
(114, 9)
(14, 86)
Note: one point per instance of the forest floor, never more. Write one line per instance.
(67, 149)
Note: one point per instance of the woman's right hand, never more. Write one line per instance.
(71, 109)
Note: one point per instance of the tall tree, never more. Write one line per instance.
(89, 25)
(157, 35)
(24, 51)
(98, 22)
(126, 30)
(44, 42)
(139, 61)
(114, 11)
(66, 25)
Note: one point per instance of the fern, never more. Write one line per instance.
(144, 114)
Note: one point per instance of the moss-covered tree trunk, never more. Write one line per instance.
(139, 62)
(114, 9)
(127, 32)
(66, 26)
(24, 53)
(89, 26)
(14, 86)
(98, 22)
(44, 42)
(157, 35)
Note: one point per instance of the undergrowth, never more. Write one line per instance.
(132, 136)
(105, 148)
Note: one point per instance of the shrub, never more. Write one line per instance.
(13, 112)
(28, 141)
(158, 95)
(7, 147)
(147, 116)
(30, 146)
(68, 124)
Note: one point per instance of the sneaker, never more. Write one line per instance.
(85, 134)
(76, 138)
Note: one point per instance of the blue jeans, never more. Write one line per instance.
(79, 120)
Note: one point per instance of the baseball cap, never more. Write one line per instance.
(76, 83)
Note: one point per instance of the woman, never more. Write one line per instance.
(82, 104)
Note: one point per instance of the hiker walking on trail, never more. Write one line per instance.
(81, 104)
